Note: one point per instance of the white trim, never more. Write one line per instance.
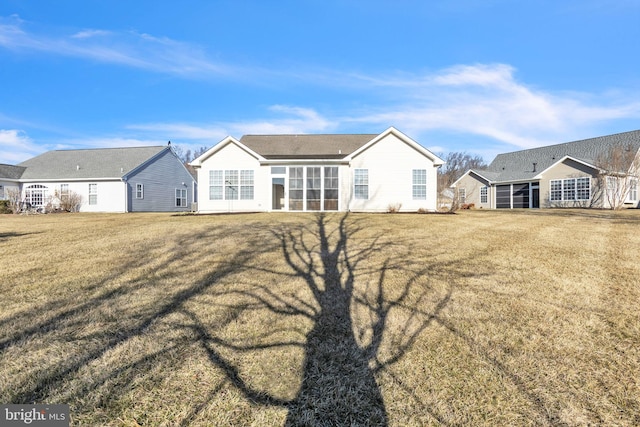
(288, 162)
(470, 171)
(437, 161)
(220, 145)
(539, 176)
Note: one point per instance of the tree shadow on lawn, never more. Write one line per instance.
(350, 307)
(10, 235)
(64, 318)
(358, 302)
(363, 303)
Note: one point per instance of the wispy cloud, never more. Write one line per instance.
(85, 34)
(282, 120)
(484, 100)
(16, 146)
(487, 100)
(479, 100)
(128, 48)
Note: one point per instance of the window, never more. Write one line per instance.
(361, 184)
(314, 188)
(93, 194)
(419, 184)
(36, 194)
(331, 188)
(231, 185)
(139, 191)
(555, 193)
(181, 197)
(484, 191)
(246, 185)
(296, 188)
(633, 190)
(1, 192)
(583, 188)
(278, 170)
(64, 192)
(462, 195)
(570, 189)
(215, 185)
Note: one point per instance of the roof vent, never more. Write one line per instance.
(77, 167)
(534, 166)
(121, 170)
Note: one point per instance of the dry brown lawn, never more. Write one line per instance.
(480, 318)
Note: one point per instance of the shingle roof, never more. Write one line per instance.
(518, 165)
(87, 164)
(10, 171)
(328, 146)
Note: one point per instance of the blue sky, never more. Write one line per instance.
(480, 76)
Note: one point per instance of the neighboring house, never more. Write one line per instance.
(134, 179)
(598, 172)
(372, 173)
(9, 180)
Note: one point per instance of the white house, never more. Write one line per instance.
(132, 179)
(368, 173)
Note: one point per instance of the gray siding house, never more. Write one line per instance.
(132, 179)
(598, 172)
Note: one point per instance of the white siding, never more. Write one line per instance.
(110, 194)
(7, 187)
(390, 163)
(232, 157)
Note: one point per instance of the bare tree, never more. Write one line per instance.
(14, 196)
(188, 156)
(457, 163)
(619, 171)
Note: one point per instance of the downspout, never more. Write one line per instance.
(126, 194)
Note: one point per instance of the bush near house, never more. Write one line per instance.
(301, 318)
(4, 207)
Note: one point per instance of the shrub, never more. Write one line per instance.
(4, 207)
(394, 207)
(69, 202)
